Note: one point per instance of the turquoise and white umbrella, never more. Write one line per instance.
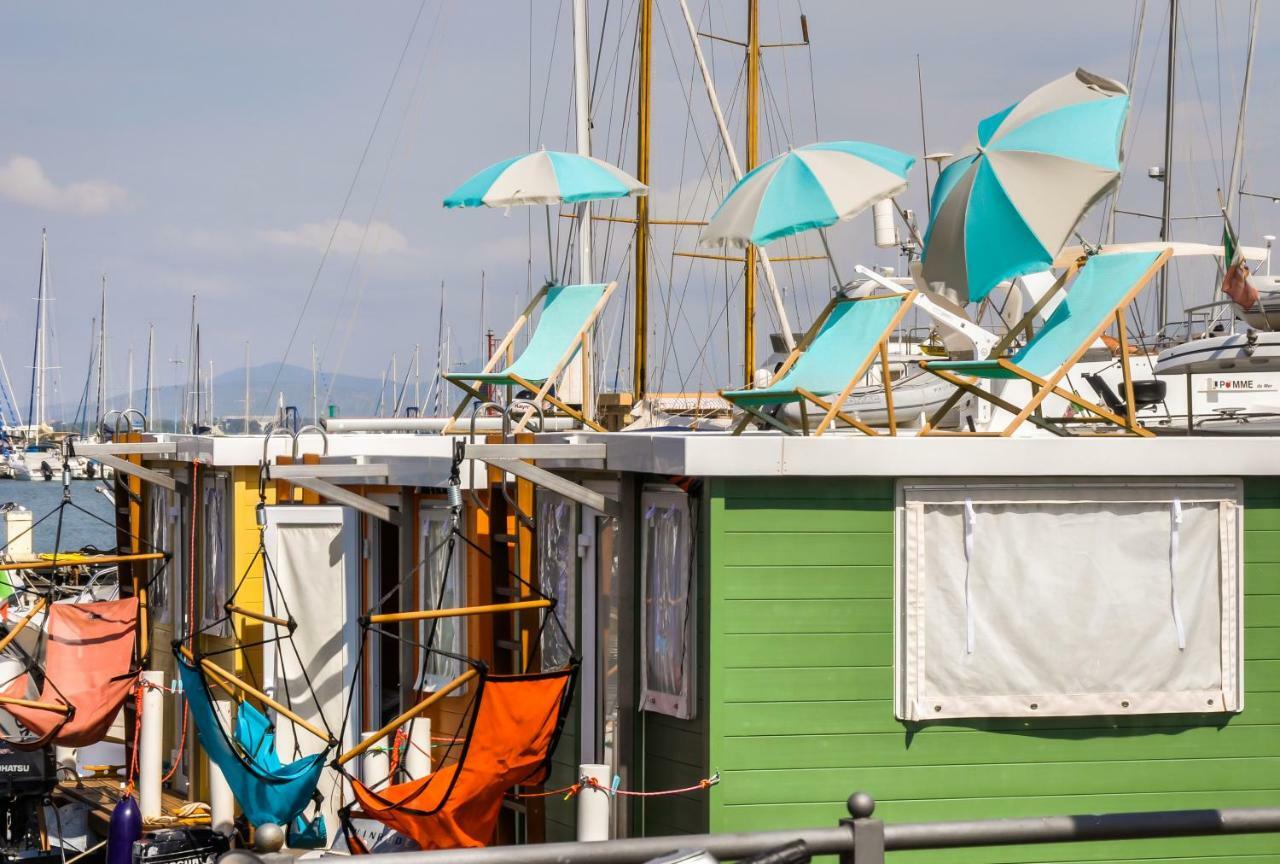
(814, 186)
(545, 177)
(1007, 206)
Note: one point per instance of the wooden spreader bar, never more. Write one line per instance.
(459, 612)
(226, 680)
(26, 619)
(81, 561)
(31, 703)
(258, 616)
(407, 716)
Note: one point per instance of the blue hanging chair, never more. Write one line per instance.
(267, 789)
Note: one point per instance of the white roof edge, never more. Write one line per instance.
(766, 455)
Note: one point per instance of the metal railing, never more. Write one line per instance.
(865, 840)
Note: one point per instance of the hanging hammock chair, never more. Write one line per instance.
(68, 687)
(511, 727)
(87, 671)
(268, 789)
(516, 722)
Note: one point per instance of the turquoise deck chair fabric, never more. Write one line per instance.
(267, 790)
(1094, 296)
(565, 312)
(848, 335)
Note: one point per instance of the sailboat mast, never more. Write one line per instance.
(315, 404)
(129, 382)
(753, 156)
(35, 407)
(149, 400)
(1166, 215)
(210, 390)
(246, 387)
(193, 367)
(644, 100)
(1237, 155)
(102, 356)
(417, 378)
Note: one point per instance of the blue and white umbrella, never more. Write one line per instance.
(1008, 206)
(814, 186)
(545, 177)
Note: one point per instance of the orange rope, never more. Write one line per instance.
(585, 782)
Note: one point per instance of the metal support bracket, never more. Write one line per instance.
(338, 495)
(554, 482)
(164, 481)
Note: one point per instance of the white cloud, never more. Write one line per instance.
(22, 179)
(383, 238)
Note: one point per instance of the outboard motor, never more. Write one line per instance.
(1148, 392)
(26, 780)
(47, 470)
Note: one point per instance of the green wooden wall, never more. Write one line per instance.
(801, 695)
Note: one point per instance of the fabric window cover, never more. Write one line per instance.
(669, 650)
(215, 557)
(558, 569)
(439, 571)
(1054, 599)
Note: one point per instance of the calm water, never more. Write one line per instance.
(78, 529)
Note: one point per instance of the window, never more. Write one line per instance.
(1049, 598)
(558, 571)
(441, 587)
(161, 540)
(666, 550)
(216, 577)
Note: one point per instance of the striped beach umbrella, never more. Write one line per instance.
(807, 187)
(545, 177)
(1010, 202)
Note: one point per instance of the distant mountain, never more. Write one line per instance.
(349, 396)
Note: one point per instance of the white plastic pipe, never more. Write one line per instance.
(375, 767)
(150, 753)
(222, 802)
(417, 758)
(594, 804)
(65, 760)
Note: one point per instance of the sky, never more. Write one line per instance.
(218, 150)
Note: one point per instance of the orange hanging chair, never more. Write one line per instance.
(516, 721)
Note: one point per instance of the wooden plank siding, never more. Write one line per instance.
(801, 695)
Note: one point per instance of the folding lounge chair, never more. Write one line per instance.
(1105, 286)
(563, 330)
(828, 363)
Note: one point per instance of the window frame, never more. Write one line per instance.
(436, 513)
(652, 700)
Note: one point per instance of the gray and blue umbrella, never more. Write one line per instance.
(808, 187)
(1007, 206)
(545, 177)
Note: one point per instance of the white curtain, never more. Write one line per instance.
(311, 576)
(1047, 600)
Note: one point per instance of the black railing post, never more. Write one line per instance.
(868, 833)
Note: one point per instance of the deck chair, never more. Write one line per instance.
(87, 670)
(513, 733)
(829, 362)
(1104, 286)
(564, 330)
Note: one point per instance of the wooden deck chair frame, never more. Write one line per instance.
(831, 409)
(541, 394)
(1043, 387)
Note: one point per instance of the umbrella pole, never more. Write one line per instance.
(551, 247)
(822, 232)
